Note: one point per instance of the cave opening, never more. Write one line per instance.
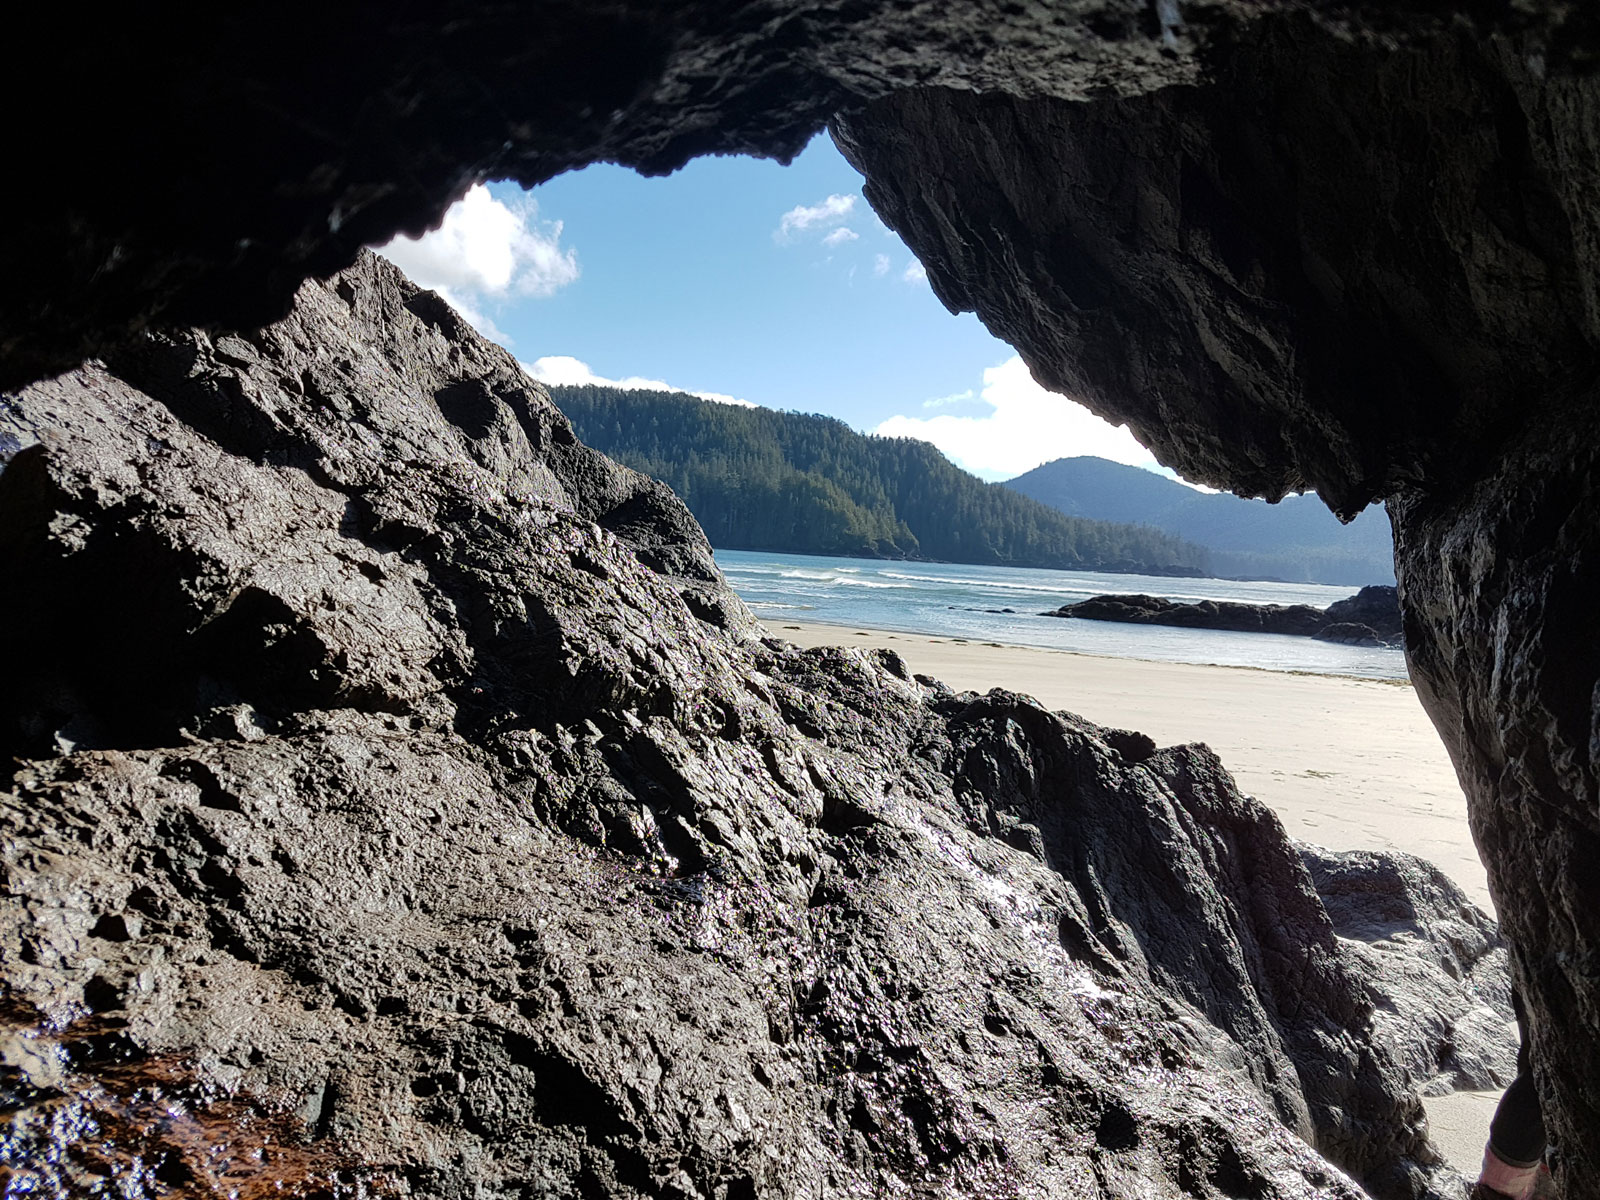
(1346, 251)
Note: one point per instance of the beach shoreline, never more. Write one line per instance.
(1017, 606)
(817, 627)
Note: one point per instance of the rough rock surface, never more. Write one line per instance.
(1354, 248)
(1498, 586)
(1337, 265)
(1302, 620)
(1369, 269)
(1435, 962)
(370, 779)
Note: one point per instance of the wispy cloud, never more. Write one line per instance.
(915, 272)
(487, 251)
(563, 369)
(1025, 426)
(804, 217)
(880, 265)
(949, 401)
(840, 236)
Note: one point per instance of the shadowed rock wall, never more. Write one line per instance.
(1499, 584)
(1371, 271)
(186, 167)
(194, 167)
(1334, 266)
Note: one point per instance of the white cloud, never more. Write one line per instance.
(1025, 427)
(840, 236)
(807, 216)
(564, 369)
(486, 250)
(949, 401)
(880, 265)
(915, 272)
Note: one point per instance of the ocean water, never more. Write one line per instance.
(955, 601)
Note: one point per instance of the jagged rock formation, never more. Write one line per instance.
(393, 760)
(1367, 269)
(1355, 621)
(1435, 961)
(1346, 245)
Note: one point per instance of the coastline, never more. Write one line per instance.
(1016, 606)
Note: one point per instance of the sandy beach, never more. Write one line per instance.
(1345, 763)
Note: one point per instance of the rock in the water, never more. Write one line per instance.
(1298, 619)
(388, 757)
(1338, 623)
(1376, 606)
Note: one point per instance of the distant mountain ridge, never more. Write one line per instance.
(757, 479)
(1297, 539)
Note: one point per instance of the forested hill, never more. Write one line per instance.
(763, 480)
(1297, 539)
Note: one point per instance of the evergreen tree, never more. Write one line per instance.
(757, 479)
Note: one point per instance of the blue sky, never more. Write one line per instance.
(745, 280)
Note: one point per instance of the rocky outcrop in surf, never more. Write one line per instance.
(388, 761)
(1369, 618)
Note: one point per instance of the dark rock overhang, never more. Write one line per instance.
(193, 169)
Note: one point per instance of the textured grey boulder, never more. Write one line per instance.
(396, 776)
(1435, 962)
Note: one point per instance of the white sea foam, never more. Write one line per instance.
(957, 601)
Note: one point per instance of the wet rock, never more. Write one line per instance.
(1436, 964)
(1376, 606)
(1298, 619)
(430, 805)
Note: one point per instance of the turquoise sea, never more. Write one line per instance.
(958, 601)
